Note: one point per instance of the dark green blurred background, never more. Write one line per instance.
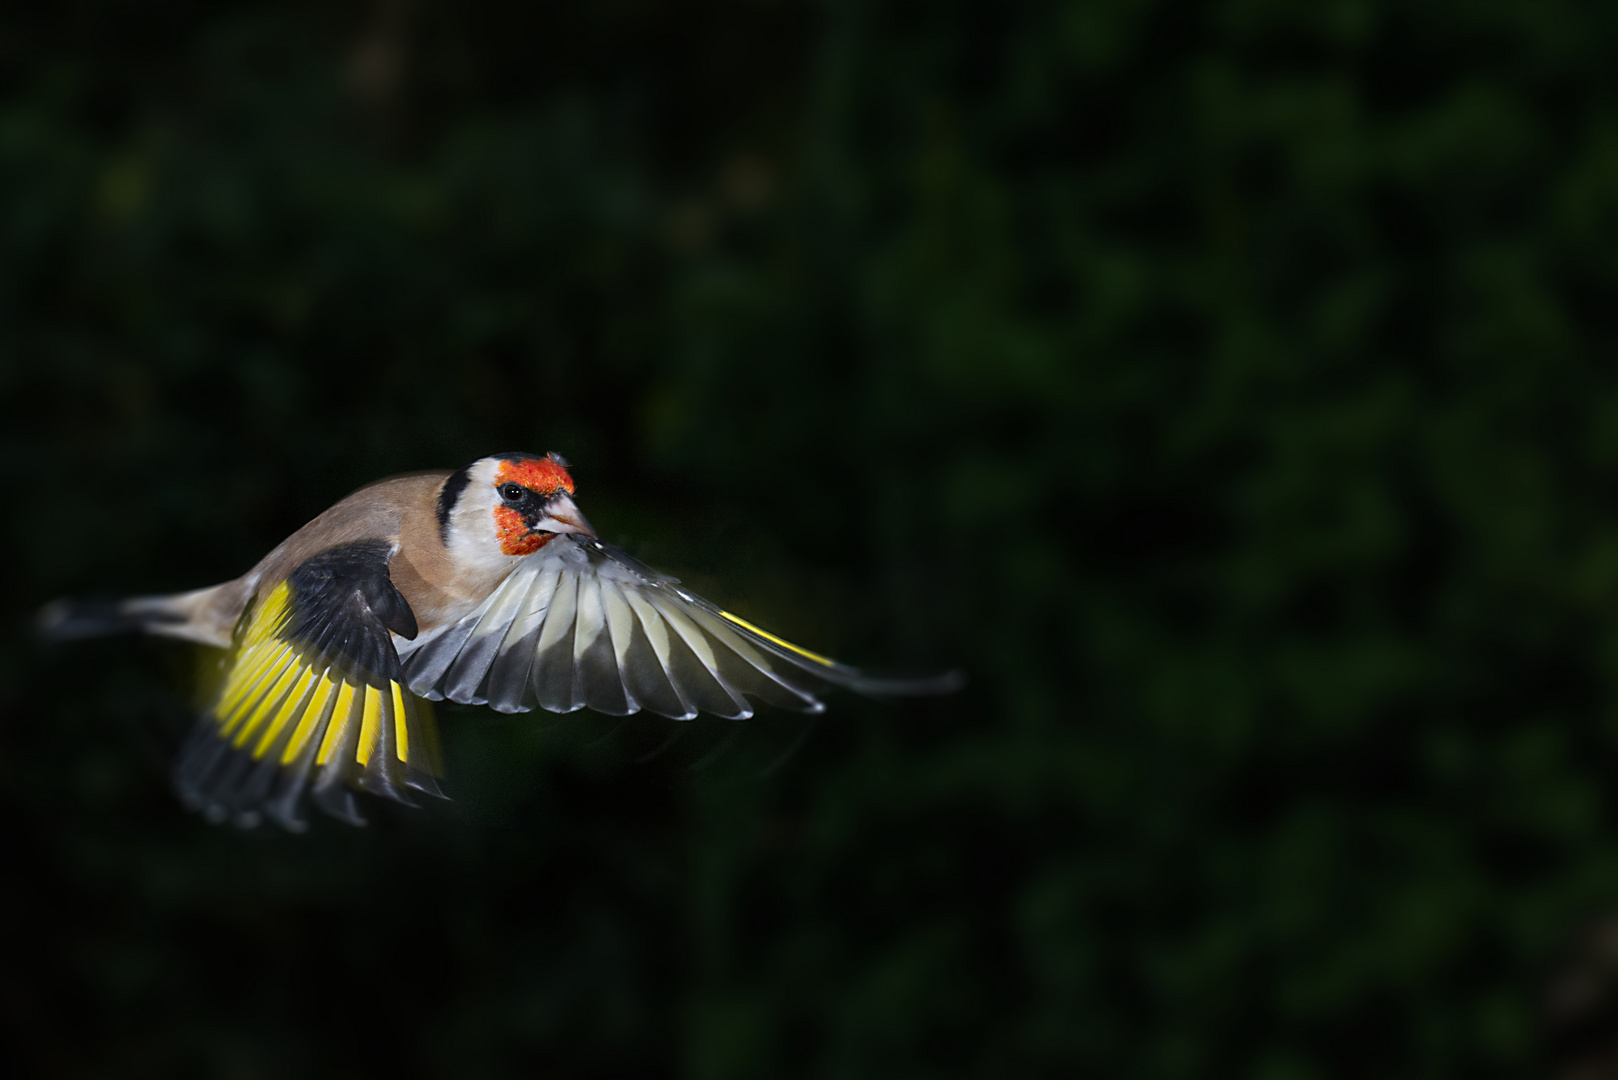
(1229, 389)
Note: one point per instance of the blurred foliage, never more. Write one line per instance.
(1226, 387)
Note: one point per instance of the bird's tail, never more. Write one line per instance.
(74, 620)
(191, 616)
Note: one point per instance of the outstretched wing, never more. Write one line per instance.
(314, 700)
(580, 624)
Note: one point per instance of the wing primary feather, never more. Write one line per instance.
(337, 730)
(296, 698)
(553, 655)
(388, 760)
(267, 705)
(814, 664)
(225, 781)
(645, 669)
(647, 663)
(832, 671)
(370, 723)
(591, 619)
(780, 643)
(702, 662)
(339, 802)
(425, 764)
(621, 636)
(334, 761)
(657, 630)
(597, 681)
(298, 759)
(380, 775)
(197, 763)
(247, 800)
(401, 737)
(309, 724)
(251, 664)
(260, 685)
(465, 676)
(429, 730)
(431, 661)
(508, 679)
(770, 687)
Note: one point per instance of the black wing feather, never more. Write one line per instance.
(314, 699)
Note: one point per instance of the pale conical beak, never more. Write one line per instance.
(562, 516)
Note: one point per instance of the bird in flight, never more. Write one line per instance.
(484, 586)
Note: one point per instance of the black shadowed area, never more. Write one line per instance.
(1227, 389)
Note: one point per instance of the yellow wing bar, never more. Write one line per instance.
(278, 701)
(767, 636)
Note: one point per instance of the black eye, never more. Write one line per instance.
(512, 492)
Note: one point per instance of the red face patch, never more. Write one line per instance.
(515, 536)
(543, 475)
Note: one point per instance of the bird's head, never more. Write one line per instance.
(508, 505)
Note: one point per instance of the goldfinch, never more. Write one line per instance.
(485, 585)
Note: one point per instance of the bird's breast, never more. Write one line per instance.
(440, 594)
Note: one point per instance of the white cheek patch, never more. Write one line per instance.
(473, 536)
